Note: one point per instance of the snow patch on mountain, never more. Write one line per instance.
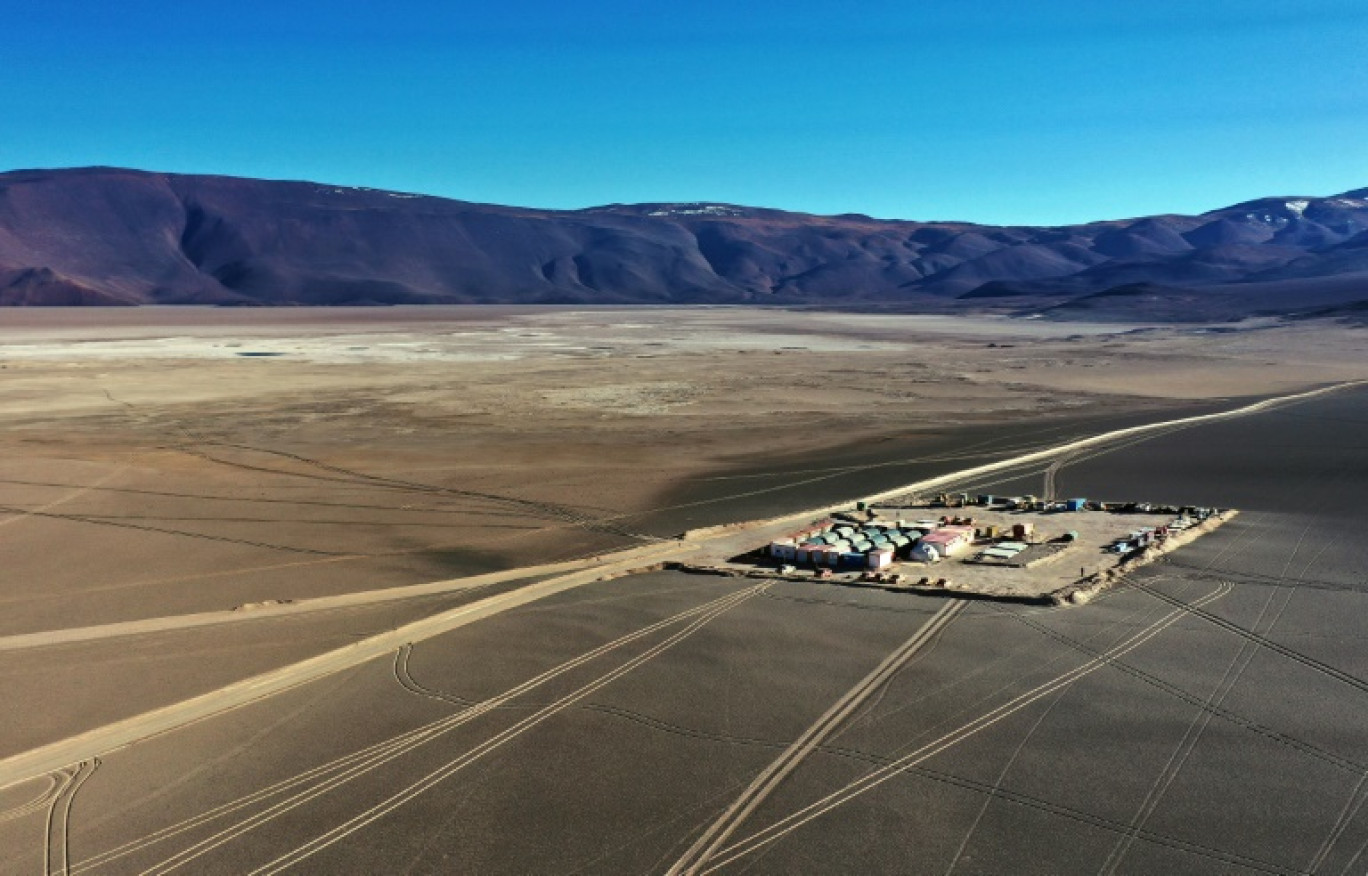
(697, 210)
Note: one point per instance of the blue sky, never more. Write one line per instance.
(1041, 112)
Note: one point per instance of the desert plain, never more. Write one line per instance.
(194, 498)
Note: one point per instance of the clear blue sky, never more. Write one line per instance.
(1045, 111)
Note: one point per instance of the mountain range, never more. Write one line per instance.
(108, 236)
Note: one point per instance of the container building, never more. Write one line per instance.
(944, 542)
(879, 559)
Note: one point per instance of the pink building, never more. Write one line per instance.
(944, 542)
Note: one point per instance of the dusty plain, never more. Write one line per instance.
(151, 469)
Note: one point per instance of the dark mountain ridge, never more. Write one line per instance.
(106, 236)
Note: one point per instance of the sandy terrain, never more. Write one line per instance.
(142, 485)
(459, 442)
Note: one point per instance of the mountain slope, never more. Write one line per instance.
(110, 236)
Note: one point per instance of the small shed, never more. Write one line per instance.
(879, 559)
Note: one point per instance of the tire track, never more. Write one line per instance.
(1202, 703)
(247, 500)
(1357, 797)
(401, 675)
(1053, 469)
(989, 791)
(444, 772)
(333, 774)
(533, 507)
(1358, 853)
(987, 669)
(1012, 469)
(1235, 670)
(1192, 735)
(76, 492)
(57, 839)
(64, 779)
(1309, 662)
(997, 786)
(83, 518)
(789, 823)
(1089, 818)
(699, 854)
(44, 798)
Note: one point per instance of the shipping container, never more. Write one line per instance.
(879, 559)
